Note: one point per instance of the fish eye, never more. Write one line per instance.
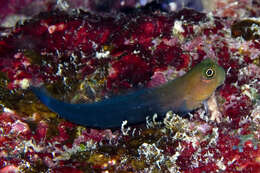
(209, 73)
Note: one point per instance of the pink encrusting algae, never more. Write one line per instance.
(85, 57)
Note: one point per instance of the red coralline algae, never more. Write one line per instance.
(89, 56)
(170, 55)
(129, 70)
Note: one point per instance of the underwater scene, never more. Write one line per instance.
(130, 86)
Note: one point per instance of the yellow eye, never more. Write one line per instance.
(210, 73)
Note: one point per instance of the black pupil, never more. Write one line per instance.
(209, 72)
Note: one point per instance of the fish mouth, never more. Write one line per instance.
(222, 76)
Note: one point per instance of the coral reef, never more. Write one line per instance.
(86, 57)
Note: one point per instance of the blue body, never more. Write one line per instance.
(108, 113)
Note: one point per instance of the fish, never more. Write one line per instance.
(181, 95)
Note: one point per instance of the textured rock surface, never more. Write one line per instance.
(84, 57)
